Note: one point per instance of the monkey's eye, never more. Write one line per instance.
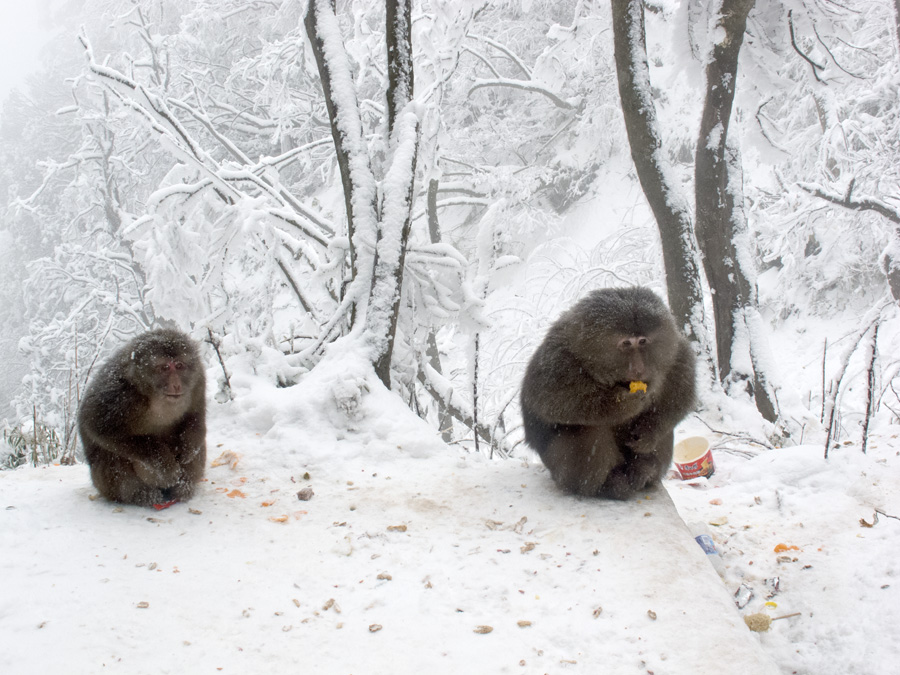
(179, 365)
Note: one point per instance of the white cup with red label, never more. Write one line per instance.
(693, 458)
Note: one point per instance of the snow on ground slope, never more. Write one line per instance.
(408, 558)
(803, 534)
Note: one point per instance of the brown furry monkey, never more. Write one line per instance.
(142, 421)
(605, 389)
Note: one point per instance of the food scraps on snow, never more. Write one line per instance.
(781, 548)
(227, 458)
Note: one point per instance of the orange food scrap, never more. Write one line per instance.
(268, 503)
(781, 548)
(221, 489)
(227, 458)
(236, 493)
(637, 386)
(715, 502)
(279, 519)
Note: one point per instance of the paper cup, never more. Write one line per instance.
(693, 458)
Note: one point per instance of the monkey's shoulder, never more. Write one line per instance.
(683, 371)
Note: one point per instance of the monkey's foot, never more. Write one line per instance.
(180, 492)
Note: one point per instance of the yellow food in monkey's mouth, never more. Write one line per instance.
(637, 386)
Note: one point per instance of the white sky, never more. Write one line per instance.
(21, 38)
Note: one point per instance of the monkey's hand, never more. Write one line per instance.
(161, 471)
(642, 443)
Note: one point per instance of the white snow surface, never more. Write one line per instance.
(409, 547)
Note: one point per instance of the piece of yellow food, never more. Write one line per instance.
(637, 386)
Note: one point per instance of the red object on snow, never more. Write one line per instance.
(165, 505)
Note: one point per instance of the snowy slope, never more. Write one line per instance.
(402, 558)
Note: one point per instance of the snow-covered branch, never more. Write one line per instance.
(847, 201)
(526, 86)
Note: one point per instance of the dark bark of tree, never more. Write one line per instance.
(388, 271)
(680, 258)
(719, 202)
(387, 216)
(398, 19)
(445, 421)
(714, 201)
(897, 21)
(311, 22)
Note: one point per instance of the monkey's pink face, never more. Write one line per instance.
(171, 378)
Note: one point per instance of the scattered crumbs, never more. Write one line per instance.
(396, 528)
(483, 630)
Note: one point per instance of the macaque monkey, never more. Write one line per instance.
(604, 391)
(142, 421)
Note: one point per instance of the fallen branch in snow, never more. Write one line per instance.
(429, 379)
(886, 515)
(744, 438)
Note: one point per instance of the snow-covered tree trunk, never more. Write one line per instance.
(719, 202)
(396, 214)
(346, 125)
(380, 212)
(680, 257)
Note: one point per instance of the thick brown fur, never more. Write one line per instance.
(595, 436)
(142, 420)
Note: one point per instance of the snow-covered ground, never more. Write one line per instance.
(411, 557)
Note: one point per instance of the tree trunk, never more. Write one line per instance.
(719, 204)
(398, 34)
(385, 217)
(394, 225)
(343, 114)
(445, 421)
(680, 258)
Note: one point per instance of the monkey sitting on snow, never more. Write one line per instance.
(604, 391)
(142, 421)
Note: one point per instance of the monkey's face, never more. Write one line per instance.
(634, 364)
(171, 378)
(164, 378)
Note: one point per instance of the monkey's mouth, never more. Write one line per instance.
(634, 386)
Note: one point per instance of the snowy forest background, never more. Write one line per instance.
(176, 162)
